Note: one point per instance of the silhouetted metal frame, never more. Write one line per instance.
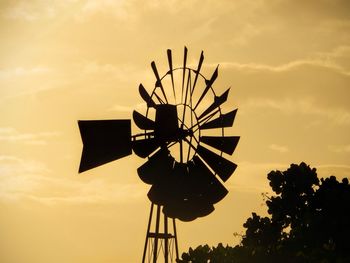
(206, 119)
(152, 241)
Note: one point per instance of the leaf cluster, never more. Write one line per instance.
(309, 221)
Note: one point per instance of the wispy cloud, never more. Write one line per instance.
(18, 176)
(256, 67)
(339, 116)
(117, 8)
(278, 148)
(332, 60)
(29, 11)
(21, 72)
(33, 180)
(94, 192)
(9, 134)
(122, 72)
(340, 148)
(35, 10)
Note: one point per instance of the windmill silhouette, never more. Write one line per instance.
(184, 142)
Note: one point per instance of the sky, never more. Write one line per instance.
(287, 63)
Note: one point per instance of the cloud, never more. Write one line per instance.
(32, 180)
(18, 176)
(256, 67)
(93, 192)
(339, 116)
(22, 72)
(31, 10)
(340, 148)
(11, 135)
(117, 8)
(121, 72)
(278, 148)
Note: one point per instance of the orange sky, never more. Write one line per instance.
(288, 65)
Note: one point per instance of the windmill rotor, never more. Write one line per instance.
(182, 139)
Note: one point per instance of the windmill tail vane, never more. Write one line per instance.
(182, 138)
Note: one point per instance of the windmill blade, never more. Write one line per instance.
(142, 121)
(224, 144)
(157, 194)
(187, 210)
(197, 71)
(200, 177)
(159, 82)
(179, 211)
(223, 167)
(215, 192)
(224, 120)
(177, 183)
(184, 71)
(104, 141)
(146, 97)
(158, 165)
(170, 61)
(208, 83)
(217, 102)
(145, 147)
(171, 185)
(202, 207)
(205, 182)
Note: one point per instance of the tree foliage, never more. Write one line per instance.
(309, 221)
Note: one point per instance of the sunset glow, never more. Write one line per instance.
(287, 63)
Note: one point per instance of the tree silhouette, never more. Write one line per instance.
(309, 222)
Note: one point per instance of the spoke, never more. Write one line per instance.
(158, 98)
(205, 120)
(171, 144)
(181, 149)
(189, 148)
(190, 144)
(185, 126)
(218, 100)
(187, 86)
(209, 83)
(195, 139)
(145, 135)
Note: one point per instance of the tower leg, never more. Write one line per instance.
(156, 236)
(158, 241)
(148, 231)
(166, 239)
(175, 240)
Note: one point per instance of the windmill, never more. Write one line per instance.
(183, 138)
